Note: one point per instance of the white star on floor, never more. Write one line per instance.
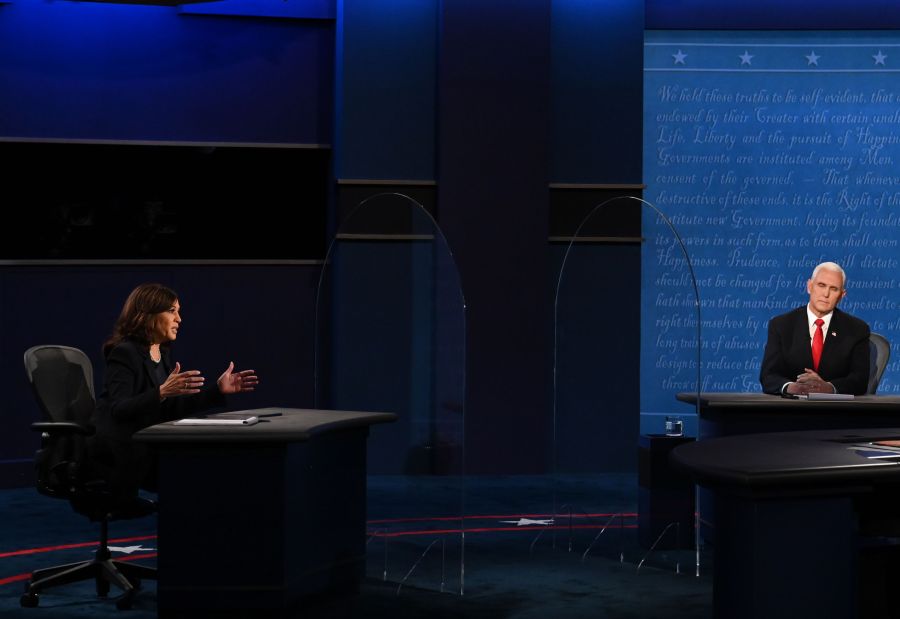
(879, 58)
(129, 549)
(679, 57)
(746, 57)
(524, 522)
(812, 59)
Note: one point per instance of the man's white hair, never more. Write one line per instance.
(831, 266)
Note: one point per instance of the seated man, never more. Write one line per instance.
(817, 348)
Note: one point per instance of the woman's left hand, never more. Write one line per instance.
(237, 382)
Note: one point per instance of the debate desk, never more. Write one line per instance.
(793, 511)
(254, 517)
(727, 414)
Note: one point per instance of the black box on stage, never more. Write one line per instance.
(665, 494)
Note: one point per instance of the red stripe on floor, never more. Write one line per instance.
(495, 529)
(149, 555)
(31, 551)
(16, 578)
(494, 517)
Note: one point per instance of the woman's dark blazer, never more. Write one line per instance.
(129, 403)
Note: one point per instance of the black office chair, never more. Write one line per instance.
(879, 354)
(63, 382)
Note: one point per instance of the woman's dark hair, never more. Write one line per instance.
(138, 316)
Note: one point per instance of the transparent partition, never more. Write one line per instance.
(627, 376)
(390, 320)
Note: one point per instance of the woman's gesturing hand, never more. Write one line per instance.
(237, 382)
(181, 383)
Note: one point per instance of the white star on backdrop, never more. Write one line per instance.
(746, 57)
(812, 59)
(679, 57)
(879, 58)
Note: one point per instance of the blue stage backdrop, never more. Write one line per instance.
(770, 152)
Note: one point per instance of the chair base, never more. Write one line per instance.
(104, 571)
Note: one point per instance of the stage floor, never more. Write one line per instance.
(511, 547)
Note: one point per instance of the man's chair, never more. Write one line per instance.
(63, 382)
(879, 354)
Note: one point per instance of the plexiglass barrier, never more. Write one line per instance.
(617, 412)
(390, 320)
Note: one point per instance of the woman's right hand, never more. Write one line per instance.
(181, 383)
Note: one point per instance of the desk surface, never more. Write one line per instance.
(291, 425)
(764, 401)
(812, 458)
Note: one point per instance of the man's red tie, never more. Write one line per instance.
(818, 342)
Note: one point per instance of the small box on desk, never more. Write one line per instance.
(665, 494)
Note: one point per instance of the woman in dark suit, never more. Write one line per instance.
(143, 387)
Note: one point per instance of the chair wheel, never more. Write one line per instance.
(29, 600)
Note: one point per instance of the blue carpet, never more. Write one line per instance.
(515, 562)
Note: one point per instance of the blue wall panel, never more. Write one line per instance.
(385, 92)
(296, 9)
(772, 14)
(596, 88)
(84, 70)
(771, 152)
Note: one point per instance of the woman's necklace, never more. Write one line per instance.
(154, 353)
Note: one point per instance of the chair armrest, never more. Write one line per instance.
(62, 428)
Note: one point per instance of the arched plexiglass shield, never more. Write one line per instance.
(390, 321)
(627, 375)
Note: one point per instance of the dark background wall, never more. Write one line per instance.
(596, 87)
(172, 146)
(489, 113)
(255, 315)
(493, 147)
(162, 201)
(508, 122)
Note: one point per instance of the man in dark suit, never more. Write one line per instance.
(817, 348)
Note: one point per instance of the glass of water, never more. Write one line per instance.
(674, 426)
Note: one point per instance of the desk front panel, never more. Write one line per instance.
(258, 526)
(727, 414)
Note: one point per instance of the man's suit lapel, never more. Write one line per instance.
(829, 349)
(801, 337)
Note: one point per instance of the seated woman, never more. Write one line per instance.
(143, 387)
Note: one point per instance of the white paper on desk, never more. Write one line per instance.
(218, 421)
(831, 396)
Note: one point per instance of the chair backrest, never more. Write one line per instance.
(879, 353)
(63, 381)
